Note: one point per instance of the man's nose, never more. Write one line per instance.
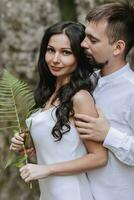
(84, 44)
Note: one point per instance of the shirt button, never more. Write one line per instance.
(100, 83)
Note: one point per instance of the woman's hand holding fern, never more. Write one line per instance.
(17, 144)
(31, 172)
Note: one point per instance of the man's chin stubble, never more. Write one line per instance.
(96, 65)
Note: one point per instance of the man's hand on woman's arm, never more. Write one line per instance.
(91, 128)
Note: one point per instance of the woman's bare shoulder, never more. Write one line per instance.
(83, 103)
(82, 95)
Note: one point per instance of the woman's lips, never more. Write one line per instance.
(56, 68)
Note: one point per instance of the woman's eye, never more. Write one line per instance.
(50, 50)
(67, 53)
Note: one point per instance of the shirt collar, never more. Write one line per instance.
(114, 75)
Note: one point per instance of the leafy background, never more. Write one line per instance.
(22, 24)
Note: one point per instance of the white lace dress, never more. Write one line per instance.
(70, 187)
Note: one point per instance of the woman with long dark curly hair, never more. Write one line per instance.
(64, 89)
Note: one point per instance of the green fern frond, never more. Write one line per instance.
(16, 102)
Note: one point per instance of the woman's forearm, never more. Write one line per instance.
(83, 164)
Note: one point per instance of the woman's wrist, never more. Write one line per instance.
(51, 169)
(46, 171)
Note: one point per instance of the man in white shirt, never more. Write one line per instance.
(109, 37)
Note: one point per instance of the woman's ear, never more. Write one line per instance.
(119, 47)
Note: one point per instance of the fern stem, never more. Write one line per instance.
(19, 126)
(17, 117)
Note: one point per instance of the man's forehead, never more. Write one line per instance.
(96, 28)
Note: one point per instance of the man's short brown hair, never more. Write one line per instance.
(120, 19)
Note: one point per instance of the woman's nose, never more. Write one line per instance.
(56, 58)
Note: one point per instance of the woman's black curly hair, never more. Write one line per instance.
(79, 79)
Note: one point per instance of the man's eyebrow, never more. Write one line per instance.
(92, 37)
